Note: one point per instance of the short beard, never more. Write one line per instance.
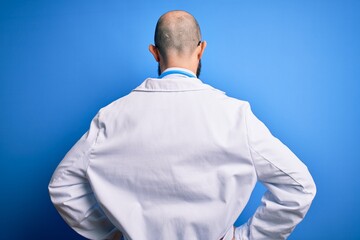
(159, 70)
(198, 70)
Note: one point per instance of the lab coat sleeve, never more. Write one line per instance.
(72, 195)
(290, 187)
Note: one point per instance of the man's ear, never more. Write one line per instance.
(202, 49)
(155, 52)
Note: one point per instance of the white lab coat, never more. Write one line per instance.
(177, 159)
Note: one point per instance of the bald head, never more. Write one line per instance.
(177, 33)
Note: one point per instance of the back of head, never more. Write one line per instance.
(177, 33)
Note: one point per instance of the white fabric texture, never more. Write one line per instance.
(177, 159)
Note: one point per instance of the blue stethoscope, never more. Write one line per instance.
(177, 72)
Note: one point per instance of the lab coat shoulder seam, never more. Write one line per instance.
(248, 140)
(269, 161)
(92, 146)
(281, 170)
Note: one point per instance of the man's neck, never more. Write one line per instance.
(180, 64)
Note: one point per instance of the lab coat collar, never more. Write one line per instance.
(181, 72)
(173, 83)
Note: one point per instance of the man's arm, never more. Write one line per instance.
(72, 195)
(290, 187)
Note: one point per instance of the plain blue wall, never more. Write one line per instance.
(296, 62)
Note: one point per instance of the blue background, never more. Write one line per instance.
(296, 62)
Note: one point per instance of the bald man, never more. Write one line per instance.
(177, 159)
(178, 42)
